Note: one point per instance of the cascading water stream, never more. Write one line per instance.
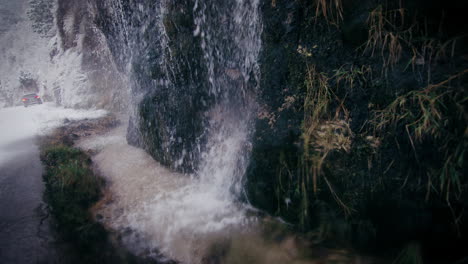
(171, 212)
(230, 39)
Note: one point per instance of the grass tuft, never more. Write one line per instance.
(71, 188)
(330, 10)
(435, 114)
(323, 131)
(386, 36)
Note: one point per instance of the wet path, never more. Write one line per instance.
(25, 235)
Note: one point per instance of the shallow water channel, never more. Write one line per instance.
(165, 215)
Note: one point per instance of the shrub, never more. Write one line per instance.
(71, 189)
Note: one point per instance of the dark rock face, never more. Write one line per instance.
(347, 186)
(276, 134)
(323, 155)
(177, 78)
(168, 78)
(171, 115)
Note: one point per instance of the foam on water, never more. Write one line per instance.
(164, 210)
(167, 215)
(172, 212)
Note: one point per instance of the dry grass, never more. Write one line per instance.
(429, 102)
(330, 10)
(428, 114)
(325, 129)
(317, 100)
(390, 37)
(349, 77)
(322, 133)
(332, 135)
(386, 36)
(428, 51)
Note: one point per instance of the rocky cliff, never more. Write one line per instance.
(362, 128)
(353, 113)
(360, 110)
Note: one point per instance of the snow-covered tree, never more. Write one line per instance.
(26, 79)
(41, 14)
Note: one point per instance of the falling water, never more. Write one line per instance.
(230, 33)
(164, 210)
(230, 40)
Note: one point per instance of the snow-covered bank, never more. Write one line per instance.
(19, 123)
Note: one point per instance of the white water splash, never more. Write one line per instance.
(61, 74)
(164, 210)
(154, 208)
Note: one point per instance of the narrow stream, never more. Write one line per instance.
(160, 210)
(165, 215)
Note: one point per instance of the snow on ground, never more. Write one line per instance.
(20, 123)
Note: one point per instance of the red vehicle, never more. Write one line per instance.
(31, 99)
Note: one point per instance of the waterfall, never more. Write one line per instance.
(230, 38)
(189, 69)
(193, 72)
